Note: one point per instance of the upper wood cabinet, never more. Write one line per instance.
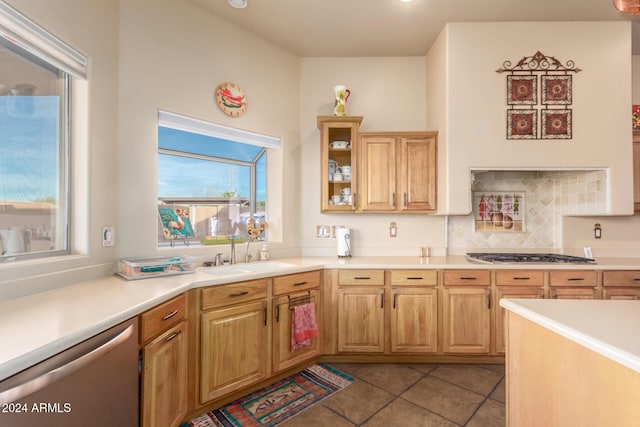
(340, 129)
(375, 171)
(636, 171)
(398, 171)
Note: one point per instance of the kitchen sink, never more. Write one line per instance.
(239, 269)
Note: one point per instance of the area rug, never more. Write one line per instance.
(277, 402)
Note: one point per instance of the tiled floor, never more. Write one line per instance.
(412, 395)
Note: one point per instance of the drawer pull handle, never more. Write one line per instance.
(239, 294)
(415, 278)
(521, 278)
(468, 278)
(264, 309)
(636, 279)
(172, 336)
(300, 283)
(170, 315)
(575, 279)
(362, 278)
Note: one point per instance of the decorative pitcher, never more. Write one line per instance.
(339, 105)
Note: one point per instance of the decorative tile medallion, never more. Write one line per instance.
(556, 124)
(556, 90)
(522, 89)
(522, 124)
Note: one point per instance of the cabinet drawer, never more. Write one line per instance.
(361, 277)
(574, 278)
(414, 277)
(519, 278)
(467, 278)
(296, 282)
(162, 317)
(219, 296)
(621, 278)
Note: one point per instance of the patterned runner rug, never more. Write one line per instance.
(277, 402)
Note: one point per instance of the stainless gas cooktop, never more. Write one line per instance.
(501, 258)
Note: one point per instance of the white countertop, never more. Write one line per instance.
(608, 327)
(35, 327)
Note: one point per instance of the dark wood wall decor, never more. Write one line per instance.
(539, 93)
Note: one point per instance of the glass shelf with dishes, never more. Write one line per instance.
(339, 136)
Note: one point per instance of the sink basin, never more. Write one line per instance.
(238, 269)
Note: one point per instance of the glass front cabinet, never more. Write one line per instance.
(339, 151)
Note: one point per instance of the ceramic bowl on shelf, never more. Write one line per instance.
(339, 144)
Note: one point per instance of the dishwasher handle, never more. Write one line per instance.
(39, 382)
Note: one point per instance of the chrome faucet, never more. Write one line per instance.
(218, 259)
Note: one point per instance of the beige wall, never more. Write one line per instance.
(91, 27)
(476, 103)
(390, 94)
(172, 57)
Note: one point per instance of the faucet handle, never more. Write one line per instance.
(218, 259)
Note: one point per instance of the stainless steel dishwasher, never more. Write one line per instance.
(93, 383)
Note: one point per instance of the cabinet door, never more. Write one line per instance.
(573, 293)
(283, 356)
(417, 171)
(360, 319)
(378, 173)
(501, 313)
(414, 314)
(466, 320)
(234, 347)
(338, 129)
(621, 293)
(164, 386)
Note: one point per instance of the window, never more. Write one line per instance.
(36, 75)
(212, 180)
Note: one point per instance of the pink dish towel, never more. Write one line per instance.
(303, 325)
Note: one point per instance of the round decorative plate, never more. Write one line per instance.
(230, 98)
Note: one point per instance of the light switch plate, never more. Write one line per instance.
(108, 236)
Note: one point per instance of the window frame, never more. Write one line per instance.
(44, 49)
(201, 127)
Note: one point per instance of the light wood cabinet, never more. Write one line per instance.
(466, 311)
(285, 290)
(360, 311)
(361, 319)
(414, 311)
(164, 364)
(501, 314)
(414, 314)
(234, 338)
(624, 285)
(398, 172)
(333, 129)
(636, 171)
(514, 284)
(573, 284)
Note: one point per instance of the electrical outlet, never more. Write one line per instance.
(108, 236)
(393, 230)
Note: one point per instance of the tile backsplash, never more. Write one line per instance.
(549, 195)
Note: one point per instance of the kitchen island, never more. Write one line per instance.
(572, 362)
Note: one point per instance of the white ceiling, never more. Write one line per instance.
(355, 28)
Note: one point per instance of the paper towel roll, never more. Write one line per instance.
(343, 241)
